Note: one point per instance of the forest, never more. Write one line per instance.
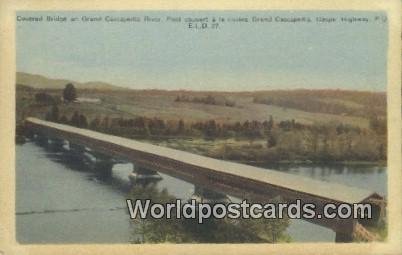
(284, 140)
(213, 100)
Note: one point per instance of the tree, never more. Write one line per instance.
(271, 142)
(83, 123)
(379, 125)
(44, 98)
(69, 93)
(75, 119)
(210, 129)
(180, 127)
(95, 123)
(54, 113)
(63, 119)
(268, 126)
(105, 123)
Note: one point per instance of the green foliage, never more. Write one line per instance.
(209, 99)
(83, 123)
(69, 93)
(95, 123)
(377, 124)
(210, 231)
(284, 141)
(44, 98)
(271, 142)
(75, 119)
(53, 115)
(272, 230)
(63, 119)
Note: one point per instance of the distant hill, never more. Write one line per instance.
(42, 82)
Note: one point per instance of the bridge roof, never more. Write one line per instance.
(324, 189)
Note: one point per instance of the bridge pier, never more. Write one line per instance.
(142, 174)
(76, 153)
(99, 163)
(204, 195)
(41, 139)
(103, 167)
(76, 148)
(29, 133)
(56, 143)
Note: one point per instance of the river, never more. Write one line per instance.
(59, 202)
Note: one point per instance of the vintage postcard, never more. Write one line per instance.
(201, 128)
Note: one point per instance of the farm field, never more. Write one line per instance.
(279, 125)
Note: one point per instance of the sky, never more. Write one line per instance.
(236, 56)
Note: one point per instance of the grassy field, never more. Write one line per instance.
(355, 110)
(128, 104)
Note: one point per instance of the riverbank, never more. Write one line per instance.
(239, 150)
(252, 152)
(333, 163)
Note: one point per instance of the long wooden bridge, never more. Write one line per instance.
(239, 180)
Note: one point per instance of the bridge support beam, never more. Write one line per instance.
(341, 237)
(344, 230)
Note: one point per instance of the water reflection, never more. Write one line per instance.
(59, 204)
(162, 190)
(371, 177)
(45, 184)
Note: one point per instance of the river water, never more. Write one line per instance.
(59, 202)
